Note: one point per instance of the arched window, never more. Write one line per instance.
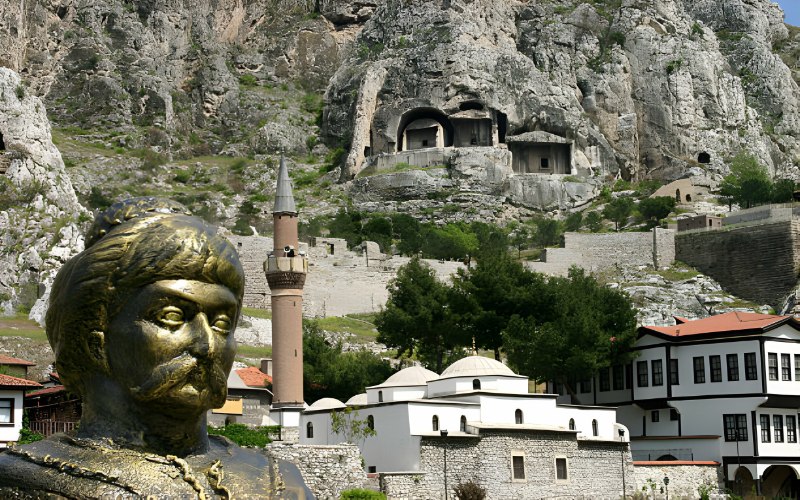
(688, 197)
(518, 416)
(380, 396)
(371, 422)
(435, 422)
(476, 384)
(594, 428)
(678, 195)
(572, 424)
(309, 430)
(463, 426)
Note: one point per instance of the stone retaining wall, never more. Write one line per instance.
(758, 263)
(327, 470)
(684, 480)
(595, 468)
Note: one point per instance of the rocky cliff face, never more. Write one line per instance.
(641, 89)
(38, 207)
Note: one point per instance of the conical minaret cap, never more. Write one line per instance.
(284, 199)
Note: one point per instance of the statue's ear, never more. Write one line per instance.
(96, 347)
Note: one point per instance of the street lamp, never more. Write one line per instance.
(443, 433)
(622, 460)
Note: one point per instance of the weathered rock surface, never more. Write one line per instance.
(640, 88)
(38, 207)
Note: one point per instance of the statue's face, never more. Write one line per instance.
(172, 346)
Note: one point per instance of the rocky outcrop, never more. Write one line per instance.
(640, 89)
(39, 211)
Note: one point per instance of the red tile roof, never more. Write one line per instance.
(253, 377)
(50, 390)
(9, 381)
(731, 322)
(8, 360)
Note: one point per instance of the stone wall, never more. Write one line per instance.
(683, 479)
(759, 263)
(327, 470)
(595, 468)
(595, 252)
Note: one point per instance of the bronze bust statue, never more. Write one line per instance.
(141, 323)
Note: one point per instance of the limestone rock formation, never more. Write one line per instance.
(625, 88)
(38, 207)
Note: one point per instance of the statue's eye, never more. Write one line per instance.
(222, 324)
(171, 316)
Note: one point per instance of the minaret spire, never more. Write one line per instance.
(284, 199)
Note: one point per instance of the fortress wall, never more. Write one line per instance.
(758, 263)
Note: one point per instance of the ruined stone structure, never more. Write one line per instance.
(327, 470)
(757, 258)
(683, 479)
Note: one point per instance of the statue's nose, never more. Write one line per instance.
(203, 341)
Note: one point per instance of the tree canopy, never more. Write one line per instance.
(618, 210)
(655, 209)
(748, 184)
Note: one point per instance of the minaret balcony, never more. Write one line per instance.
(276, 264)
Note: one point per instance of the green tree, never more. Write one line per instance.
(353, 429)
(486, 296)
(594, 221)
(573, 222)
(408, 231)
(655, 209)
(329, 372)
(453, 241)
(618, 210)
(783, 191)
(548, 232)
(417, 319)
(587, 326)
(519, 236)
(748, 184)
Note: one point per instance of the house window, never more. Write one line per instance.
(518, 467)
(380, 396)
(673, 372)
(735, 427)
(641, 373)
(372, 469)
(733, 367)
(786, 367)
(435, 422)
(750, 370)
(699, 370)
(605, 383)
(673, 414)
(6, 411)
(309, 430)
(463, 426)
(658, 372)
(476, 384)
(797, 367)
(518, 416)
(765, 433)
(716, 368)
(561, 469)
(545, 163)
(655, 416)
(586, 386)
(572, 424)
(791, 429)
(773, 366)
(371, 422)
(777, 424)
(618, 377)
(628, 375)
(594, 428)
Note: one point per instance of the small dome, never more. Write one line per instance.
(475, 366)
(357, 400)
(326, 404)
(411, 376)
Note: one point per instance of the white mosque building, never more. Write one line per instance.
(496, 432)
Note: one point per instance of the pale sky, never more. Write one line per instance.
(792, 10)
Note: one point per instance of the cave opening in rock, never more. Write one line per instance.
(424, 128)
(2, 143)
(704, 158)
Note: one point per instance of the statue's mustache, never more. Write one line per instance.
(180, 370)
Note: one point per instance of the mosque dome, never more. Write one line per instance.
(476, 366)
(326, 404)
(411, 376)
(357, 400)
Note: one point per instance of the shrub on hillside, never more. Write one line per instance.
(359, 494)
